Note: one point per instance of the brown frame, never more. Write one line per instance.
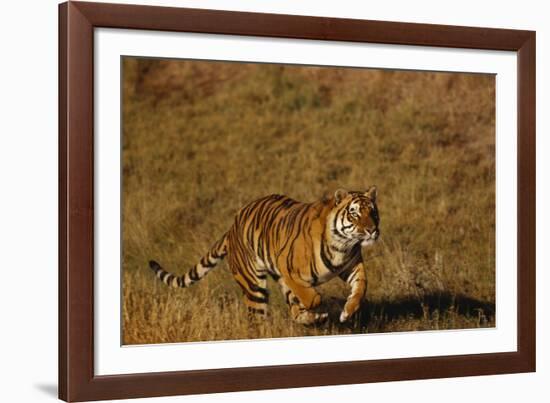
(77, 21)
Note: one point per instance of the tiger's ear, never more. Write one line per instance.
(372, 193)
(339, 195)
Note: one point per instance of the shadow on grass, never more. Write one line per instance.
(385, 311)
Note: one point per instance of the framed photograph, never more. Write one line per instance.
(255, 201)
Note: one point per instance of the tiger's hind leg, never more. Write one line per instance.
(257, 308)
(299, 311)
(253, 283)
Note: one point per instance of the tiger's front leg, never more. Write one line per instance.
(300, 300)
(357, 279)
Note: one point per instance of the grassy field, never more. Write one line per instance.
(201, 139)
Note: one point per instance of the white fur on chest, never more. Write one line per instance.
(337, 259)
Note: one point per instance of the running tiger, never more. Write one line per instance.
(300, 245)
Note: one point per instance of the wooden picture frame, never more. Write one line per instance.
(77, 21)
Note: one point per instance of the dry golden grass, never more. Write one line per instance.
(201, 139)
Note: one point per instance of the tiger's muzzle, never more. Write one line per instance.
(370, 237)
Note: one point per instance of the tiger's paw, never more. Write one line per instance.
(344, 316)
(310, 318)
(321, 317)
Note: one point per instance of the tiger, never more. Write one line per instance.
(299, 245)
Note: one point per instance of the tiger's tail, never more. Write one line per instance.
(201, 269)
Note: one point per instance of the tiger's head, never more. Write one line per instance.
(355, 216)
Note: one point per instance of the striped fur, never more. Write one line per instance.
(201, 269)
(300, 245)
